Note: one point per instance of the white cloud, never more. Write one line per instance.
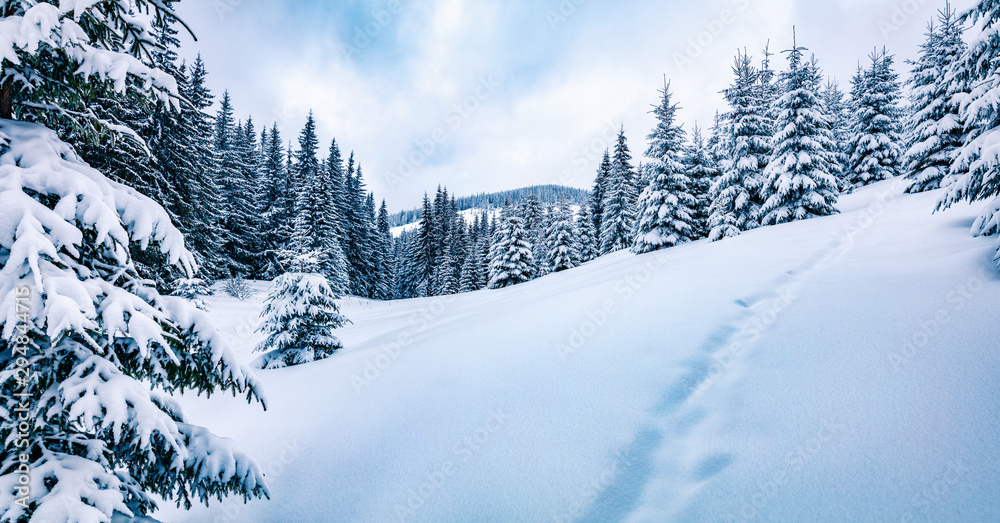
(561, 88)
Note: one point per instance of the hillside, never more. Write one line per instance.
(836, 369)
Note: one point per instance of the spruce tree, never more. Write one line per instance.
(702, 169)
(602, 185)
(975, 170)
(936, 132)
(561, 241)
(836, 110)
(876, 132)
(666, 208)
(104, 438)
(424, 248)
(735, 195)
(511, 258)
(382, 254)
(299, 318)
(620, 199)
(274, 215)
(800, 180)
(589, 246)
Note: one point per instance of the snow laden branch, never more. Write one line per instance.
(105, 348)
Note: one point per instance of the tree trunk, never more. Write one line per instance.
(7, 99)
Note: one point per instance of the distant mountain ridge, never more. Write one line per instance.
(546, 194)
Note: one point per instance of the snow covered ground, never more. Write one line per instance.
(837, 369)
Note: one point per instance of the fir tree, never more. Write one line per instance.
(667, 215)
(975, 170)
(618, 207)
(800, 179)
(835, 108)
(936, 132)
(876, 130)
(589, 247)
(274, 220)
(382, 253)
(602, 184)
(299, 318)
(702, 169)
(511, 258)
(561, 241)
(735, 194)
(104, 438)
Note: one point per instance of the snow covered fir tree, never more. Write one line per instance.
(511, 258)
(936, 129)
(799, 180)
(105, 349)
(299, 318)
(976, 168)
(667, 215)
(876, 133)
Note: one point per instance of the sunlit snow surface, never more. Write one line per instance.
(836, 369)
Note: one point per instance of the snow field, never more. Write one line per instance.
(835, 369)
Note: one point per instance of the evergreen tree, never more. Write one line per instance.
(193, 290)
(835, 108)
(275, 216)
(382, 255)
(561, 241)
(299, 318)
(667, 215)
(602, 185)
(103, 435)
(424, 248)
(589, 247)
(618, 207)
(237, 195)
(975, 171)
(936, 132)
(702, 169)
(876, 130)
(800, 179)
(735, 194)
(511, 258)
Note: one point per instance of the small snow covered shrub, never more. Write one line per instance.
(193, 290)
(238, 288)
(299, 318)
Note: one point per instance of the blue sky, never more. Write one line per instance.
(483, 96)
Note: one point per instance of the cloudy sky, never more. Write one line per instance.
(489, 95)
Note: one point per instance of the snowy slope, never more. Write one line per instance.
(837, 369)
